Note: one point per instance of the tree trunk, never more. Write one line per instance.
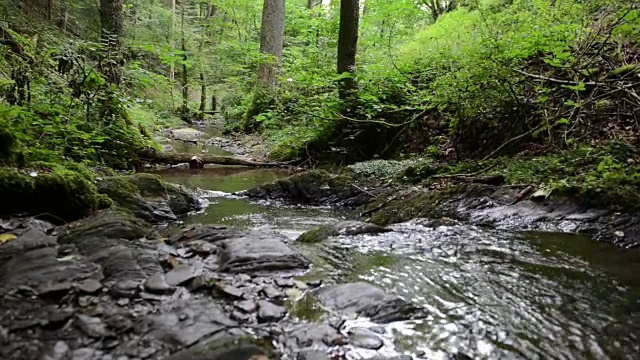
(203, 95)
(112, 31)
(271, 41)
(185, 74)
(347, 45)
(172, 70)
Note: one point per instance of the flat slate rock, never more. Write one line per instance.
(255, 253)
(180, 275)
(189, 322)
(270, 312)
(157, 284)
(365, 300)
(365, 338)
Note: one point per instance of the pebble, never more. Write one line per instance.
(232, 291)
(180, 275)
(365, 338)
(92, 326)
(90, 286)
(270, 312)
(157, 284)
(285, 282)
(123, 302)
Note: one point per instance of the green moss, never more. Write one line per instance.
(61, 192)
(306, 308)
(318, 234)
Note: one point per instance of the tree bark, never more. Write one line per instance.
(347, 45)
(112, 31)
(185, 74)
(271, 41)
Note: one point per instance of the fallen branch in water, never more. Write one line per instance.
(197, 161)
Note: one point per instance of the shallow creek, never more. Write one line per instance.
(489, 293)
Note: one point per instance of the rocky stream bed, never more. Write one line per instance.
(207, 270)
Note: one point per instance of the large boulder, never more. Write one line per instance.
(188, 134)
(255, 252)
(148, 197)
(316, 187)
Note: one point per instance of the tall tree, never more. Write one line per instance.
(111, 32)
(271, 40)
(348, 44)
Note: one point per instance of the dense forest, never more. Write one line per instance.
(545, 91)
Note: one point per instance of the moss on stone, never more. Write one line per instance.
(318, 234)
(58, 191)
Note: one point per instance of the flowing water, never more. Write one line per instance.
(490, 293)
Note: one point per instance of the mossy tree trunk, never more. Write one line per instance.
(271, 41)
(347, 46)
(111, 33)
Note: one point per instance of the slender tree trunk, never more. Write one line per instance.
(185, 74)
(347, 45)
(271, 40)
(112, 31)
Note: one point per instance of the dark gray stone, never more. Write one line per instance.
(92, 326)
(365, 338)
(366, 300)
(257, 252)
(268, 312)
(157, 284)
(247, 306)
(231, 291)
(90, 286)
(285, 282)
(180, 275)
(271, 292)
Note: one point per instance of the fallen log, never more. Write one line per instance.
(197, 161)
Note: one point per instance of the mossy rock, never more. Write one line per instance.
(60, 192)
(148, 196)
(322, 233)
(313, 187)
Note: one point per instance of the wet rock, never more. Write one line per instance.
(285, 282)
(230, 291)
(313, 354)
(124, 289)
(314, 283)
(229, 347)
(54, 290)
(189, 322)
(256, 252)
(240, 316)
(157, 284)
(271, 292)
(180, 275)
(198, 283)
(313, 187)
(268, 311)
(400, 357)
(83, 354)
(58, 352)
(365, 300)
(92, 326)
(149, 197)
(324, 232)
(365, 338)
(316, 335)
(247, 306)
(90, 286)
(188, 134)
(206, 233)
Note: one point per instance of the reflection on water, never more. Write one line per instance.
(490, 293)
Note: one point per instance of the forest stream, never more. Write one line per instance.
(486, 293)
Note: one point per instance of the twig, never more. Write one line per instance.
(362, 190)
(554, 80)
(510, 141)
(445, 176)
